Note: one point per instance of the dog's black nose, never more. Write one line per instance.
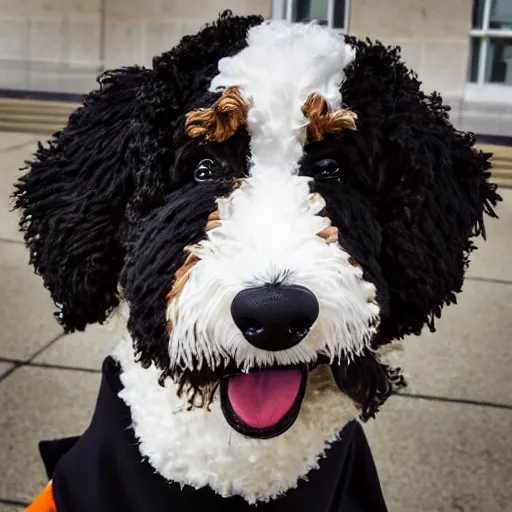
(275, 317)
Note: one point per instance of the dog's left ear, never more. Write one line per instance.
(428, 184)
(74, 196)
(109, 166)
(430, 191)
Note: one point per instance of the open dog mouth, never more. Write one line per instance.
(264, 403)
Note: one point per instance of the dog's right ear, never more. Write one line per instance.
(109, 164)
(74, 197)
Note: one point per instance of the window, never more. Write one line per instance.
(491, 42)
(332, 13)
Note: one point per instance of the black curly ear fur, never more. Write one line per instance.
(73, 200)
(109, 165)
(431, 187)
(368, 382)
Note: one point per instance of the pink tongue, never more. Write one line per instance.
(262, 399)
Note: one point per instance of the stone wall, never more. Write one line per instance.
(50, 45)
(136, 30)
(433, 35)
(62, 45)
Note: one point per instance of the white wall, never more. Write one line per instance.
(434, 37)
(433, 34)
(62, 45)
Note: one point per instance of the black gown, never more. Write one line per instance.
(103, 471)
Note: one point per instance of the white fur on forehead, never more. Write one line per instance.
(281, 66)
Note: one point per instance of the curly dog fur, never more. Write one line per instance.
(111, 212)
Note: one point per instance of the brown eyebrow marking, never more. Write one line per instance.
(322, 120)
(181, 277)
(222, 120)
(329, 233)
(214, 221)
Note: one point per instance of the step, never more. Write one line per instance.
(498, 172)
(501, 164)
(36, 116)
(17, 105)
(502, 182)
(44, 129)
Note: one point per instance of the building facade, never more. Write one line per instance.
(462, 48)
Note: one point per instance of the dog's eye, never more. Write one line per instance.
(205, 170)
(326, 169)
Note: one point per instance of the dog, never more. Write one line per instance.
(268, 205)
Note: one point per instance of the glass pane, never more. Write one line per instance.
(501, 15)
(498, 68)
(307, 10)
(474, 58)
(338, 20)
(478, 13)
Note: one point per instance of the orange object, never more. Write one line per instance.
(44, 502)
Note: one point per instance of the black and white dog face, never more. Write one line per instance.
(273, 202)
(268, 287)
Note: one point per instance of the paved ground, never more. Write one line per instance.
(445, 446)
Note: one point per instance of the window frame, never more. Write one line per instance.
(283, 9)
(484, 35)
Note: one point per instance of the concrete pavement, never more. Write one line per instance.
(444, 445)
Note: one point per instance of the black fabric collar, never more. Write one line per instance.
(103, 471)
